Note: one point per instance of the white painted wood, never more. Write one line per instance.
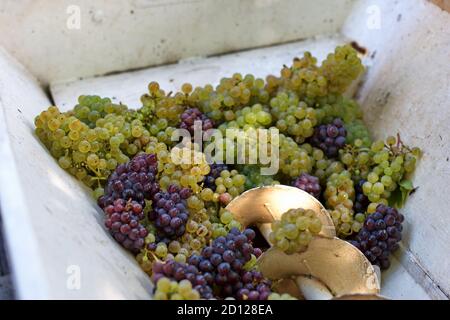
(407, 90)
(128, 87)
(128, 34)
(51, 222)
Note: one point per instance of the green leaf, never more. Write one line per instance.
(400, 195)
(406, 185)
(395, 199)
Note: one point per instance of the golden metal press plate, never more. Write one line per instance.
(261, 206)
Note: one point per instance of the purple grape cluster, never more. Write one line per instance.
(222, 263)
(191, 115)
(126, 190)
(309, 184)
(380, 235)
(123, 221)
(361, 200)
(330, 138)
(180, 271)
(214, 173)
(219, 271)
(169, 212)
(135, 180)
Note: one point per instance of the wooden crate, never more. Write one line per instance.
(52, 226)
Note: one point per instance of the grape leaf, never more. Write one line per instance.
(406, 185)
(395, 199)
(400, 195)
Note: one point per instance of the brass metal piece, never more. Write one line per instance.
(261, 206)
(288, 286)
(340, 266)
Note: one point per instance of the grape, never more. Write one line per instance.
(191, 115)
(294, 159)
(284, 296)
(123, 221)
(214, 173)
(254, 178)
(341, 68)
(384, 169)
(256, 116)
(309, 184)
(339, 198)
(294, 117)
(182, 279)
(222, 185)
(169, 212)
(226, 222)
(330, 138)
(133, 180)
(229, 96)
(92, 139)
(157, 105)
(309, 81)
(92, 108)
(361, 200)
(380, 235)
(220, 265)
(358, 134)
(183, 166)
(295, 230)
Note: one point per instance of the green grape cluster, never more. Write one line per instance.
(257, 116)
(182, 166)
(391, 161)
(230, 95)
(197, 236)
(92, 139)
(199, 230)
(383, 165)
(310, 81)
(157, 104)
(160, 129)
(90, 154)
(295, 230)
(294, 159)
(224, 224)
(167, 289)
(339, 196)
(283, 296)
(337, 106)
(341, 68)
(179, 249)
(303, 77)
(255, 179)
(324, 167)
(357, 160)
(294, 117)
(92, 108)
(229, 185)
(357, 130)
